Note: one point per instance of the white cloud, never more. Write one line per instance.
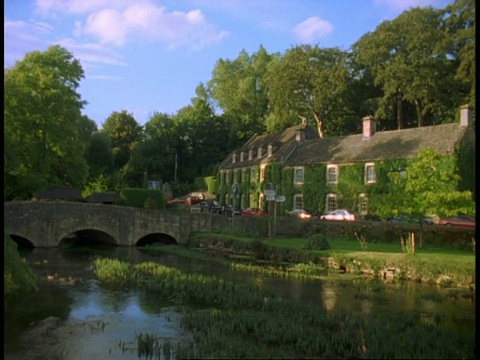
(117, 22)
(21, 37)
(312, 28)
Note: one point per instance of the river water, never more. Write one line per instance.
(81, 319)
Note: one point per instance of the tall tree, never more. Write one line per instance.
(460, 25)
(409, 62)
(42, 110)
(124, 132)
(309, 83)
(237, 88)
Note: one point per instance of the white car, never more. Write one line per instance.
(339, 214)
(300, 213)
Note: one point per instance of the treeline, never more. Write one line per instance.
(415, 70)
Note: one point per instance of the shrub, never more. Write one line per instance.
(318, 242)
(17, 275)
(138, 197)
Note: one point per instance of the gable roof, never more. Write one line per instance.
(396, 144)
(284, 142)
(60, 192)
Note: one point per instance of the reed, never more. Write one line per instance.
(241, 321)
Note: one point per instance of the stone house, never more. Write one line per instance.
(308, 170)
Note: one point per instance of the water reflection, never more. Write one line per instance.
(130, 312)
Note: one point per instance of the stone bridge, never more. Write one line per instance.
(48, 223)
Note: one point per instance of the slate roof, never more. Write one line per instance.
(283, 141)
(396, 144)
(103, 197)
(60, 193)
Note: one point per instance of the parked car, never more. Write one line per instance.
(189, 199)
(459, 220)
(408, 219)
(253, 212)
(228, 210)
(300, 213)
(339, 214)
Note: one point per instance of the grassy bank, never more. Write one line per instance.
(442, 265)
(234, 320)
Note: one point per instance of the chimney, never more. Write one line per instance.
(369, 127)
(465, 115)
(300, 135)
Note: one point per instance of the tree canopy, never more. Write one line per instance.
(42, 116)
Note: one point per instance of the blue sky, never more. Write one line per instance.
(147, 56)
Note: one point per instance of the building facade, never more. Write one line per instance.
(323, 174)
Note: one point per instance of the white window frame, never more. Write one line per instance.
(298, 175)
(259, 152)
(298, 202)
(370, 166)
(330, 202)
(242, 156)
(250, 154)
(234, 158)
(329, 169)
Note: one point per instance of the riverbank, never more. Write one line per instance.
(444, 266)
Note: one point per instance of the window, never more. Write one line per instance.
(363, 204)
(244, 175)
(227, 177)
(331, 203)
(298, 176)
(262, 173)
(242, 155)
(250, 155)
(298, 201)
(259, 152)
(370, 173)
(234, 158)
(332, 174)
(270, 150)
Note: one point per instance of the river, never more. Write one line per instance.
(74, 317)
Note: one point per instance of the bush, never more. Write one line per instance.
(138, 197)
(17, 275)
(318, 242)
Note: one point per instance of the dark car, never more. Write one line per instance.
(253, 212)
(459, 220)
(410, 220)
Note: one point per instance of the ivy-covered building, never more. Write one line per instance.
(351, 172)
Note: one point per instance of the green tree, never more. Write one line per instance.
(124, 132)
(410, 63)
(99, 155)
(42, 111)
(307, 82)
(460, 25)
(432, 187)
(237, 88)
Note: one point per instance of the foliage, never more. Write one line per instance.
(17, 275)
(124, 132)
(99, 155)
(409, 62)
(150, 204)
(42, 121)
(431, 186)
(307, 82)
(318, 242)
(138, 197)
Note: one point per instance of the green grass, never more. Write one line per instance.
(451, 266)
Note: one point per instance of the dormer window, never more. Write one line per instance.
(332, 174)
(259, 152)
(250, 155)
(234, 158)
(270, 150)
(242, 155)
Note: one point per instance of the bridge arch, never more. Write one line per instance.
(86, 236)
(22, 242)
(156, 238)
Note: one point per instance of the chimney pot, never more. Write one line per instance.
(369, 127)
